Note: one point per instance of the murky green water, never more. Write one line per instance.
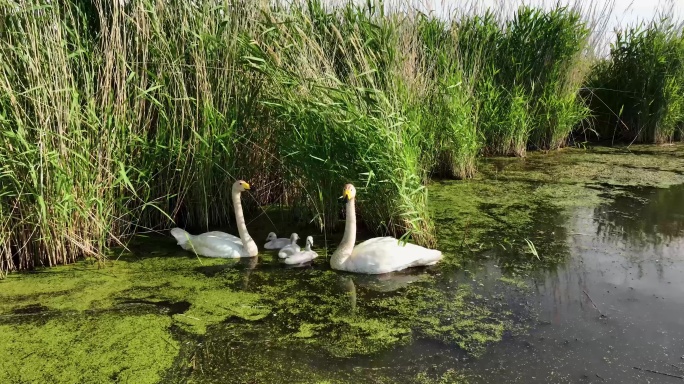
(597, 291)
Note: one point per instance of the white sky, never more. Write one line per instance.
(621, 12)
(629, 11)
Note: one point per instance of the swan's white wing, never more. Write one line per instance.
(212, 244)
(301, 257)
(277, 243)
(224, 235)
(289, 250)
(386, 254)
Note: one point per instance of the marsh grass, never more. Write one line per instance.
(637, 93)
(530, 91)
(121, 119)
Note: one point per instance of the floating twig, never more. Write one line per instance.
(594, 304)
(597, 375)
(660, 373)
(169, 343)
(465, 232)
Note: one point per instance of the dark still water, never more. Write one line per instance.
(614, 309)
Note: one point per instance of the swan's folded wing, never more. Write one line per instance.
(277, 243)
(214, 245)
(223, 235)
(301, 257)
(289, 250)
(387, 254)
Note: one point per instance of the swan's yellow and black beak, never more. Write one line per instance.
(245, 185)
(346, 194)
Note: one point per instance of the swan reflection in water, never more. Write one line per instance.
(379, 283)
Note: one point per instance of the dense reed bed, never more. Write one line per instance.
(638, 91)
(124, 117)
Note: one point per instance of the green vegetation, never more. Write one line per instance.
(87, 348)
(510, 201)
(117, 118)
(148, 319)
(638, 92)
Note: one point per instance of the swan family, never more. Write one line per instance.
(374, 256)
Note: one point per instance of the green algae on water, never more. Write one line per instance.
(106, 347)
(89, 324)
(215, 305)
(516, 282)
(514, 199)
(352, 315)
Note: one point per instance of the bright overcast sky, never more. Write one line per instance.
(624, 11)
(631, 10)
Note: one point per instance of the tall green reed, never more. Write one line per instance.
(330, 88)
(637, 94)
(119, 118)
(530, 90)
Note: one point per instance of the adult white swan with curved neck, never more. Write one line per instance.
(221, 244)
(379, 254)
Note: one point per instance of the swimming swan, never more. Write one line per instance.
(290, 248)
(377, 255)
(303, 256)
(221, 244)
(275, 242)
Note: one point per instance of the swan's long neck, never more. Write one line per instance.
(247, 241)
(344, 250)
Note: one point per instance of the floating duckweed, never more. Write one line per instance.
(363, 336)
(516, 282)
(213, 306)
(451, 376)
(453, 317)
(306, 331)
(85, 328)
(88, 349)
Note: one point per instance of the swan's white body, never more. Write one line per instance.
(211, 244)
(304, 256)
(290, 248)
(221, 244)
(377, 255)
(274, 242)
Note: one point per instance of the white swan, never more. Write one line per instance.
(290, 248)
(377, 255)
(303, 256)
(221, 244)
(275, 242)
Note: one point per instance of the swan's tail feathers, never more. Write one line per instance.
(431, 258)
(182, 237)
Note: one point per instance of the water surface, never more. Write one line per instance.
(614, 307)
